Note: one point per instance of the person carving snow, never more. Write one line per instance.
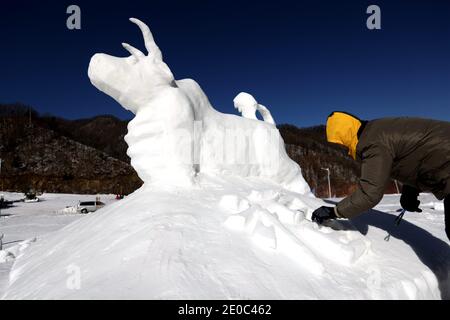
(414, 151)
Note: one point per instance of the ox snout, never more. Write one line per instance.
(96, 68)
(112, 75)
(107, 74)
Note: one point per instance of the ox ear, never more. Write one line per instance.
(149, 42)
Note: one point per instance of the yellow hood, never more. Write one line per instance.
(342, 128)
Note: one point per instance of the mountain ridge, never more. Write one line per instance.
(88, 155)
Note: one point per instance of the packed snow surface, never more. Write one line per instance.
(219, 241)
(224, 213)
(24, 223)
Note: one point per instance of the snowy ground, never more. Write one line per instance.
(29, 221)
(197, 244)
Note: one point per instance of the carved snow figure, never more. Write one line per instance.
(177, 133)
(248, 106)
(144, 85)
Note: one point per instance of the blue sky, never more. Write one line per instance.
(302, 59)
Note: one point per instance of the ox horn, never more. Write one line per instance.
(150, 44)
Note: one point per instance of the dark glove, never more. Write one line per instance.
(408, 200)
(322, 214)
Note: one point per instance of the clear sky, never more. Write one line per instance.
(302, 59)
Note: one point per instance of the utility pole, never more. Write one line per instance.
(1, 171)
(1, 203)
(396, 186)
(329, 183)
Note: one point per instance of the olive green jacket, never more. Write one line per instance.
(413, 151)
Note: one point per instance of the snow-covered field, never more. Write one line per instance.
(196, 251)
(24, 222)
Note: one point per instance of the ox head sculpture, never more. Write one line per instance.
(134, 80)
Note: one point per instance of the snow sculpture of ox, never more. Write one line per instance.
(176, 133)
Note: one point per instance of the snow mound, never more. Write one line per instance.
(68, 210)
(290, 231)
(184, 244)
(224, 213)
(13, 252)
(234, 203)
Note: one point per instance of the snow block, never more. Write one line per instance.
(265, 195)
(330, 247)
(234, 203)
(289, 245)
(267, 231)
(235, 222)
(6, 256)
(264, 236)
(283, 213)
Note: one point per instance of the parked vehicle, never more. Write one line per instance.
(30, 197)
(89, 206)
